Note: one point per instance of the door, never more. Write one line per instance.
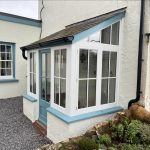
(45, 85)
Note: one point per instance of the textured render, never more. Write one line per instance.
(16, 130)
(21, 35)
(145, 84)
(29, 109)
(58, 130)
(130, 38)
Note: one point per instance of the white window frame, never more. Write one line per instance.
(12, 63)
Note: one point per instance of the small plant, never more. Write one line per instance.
(132, 133)
(105, 139)
(112, 148)
(87, 144)
(131, 147)
(145, 133)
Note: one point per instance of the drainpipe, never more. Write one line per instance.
(139, 67)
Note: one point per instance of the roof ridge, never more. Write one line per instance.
(79, 22)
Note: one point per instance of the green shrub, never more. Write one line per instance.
(87, 144)
(112, 148)
(148, 147)
(105, 139)
(145, 133)
(132, 133)
(131, 147)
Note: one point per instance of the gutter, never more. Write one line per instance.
(140, 50)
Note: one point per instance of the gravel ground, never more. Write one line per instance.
(16, 130)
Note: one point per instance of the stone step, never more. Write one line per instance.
(41, 128)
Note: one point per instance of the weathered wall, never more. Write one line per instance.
(57, 14)
(21, 35)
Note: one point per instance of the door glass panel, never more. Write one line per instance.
(63, 63)
(104, 91)
(82, 102)
(115, 34)
(48, 65)
(31, 82)
(92, 63)
(62, 92)
(34, 83)
(83, 64)
(105, 64)
(105, 38)
(43, 89)
(48, 90)
(92, 93)
(112, 87)
(56, 90)
(31, 63)
(113, 61)
(56, 63)
(43, 65)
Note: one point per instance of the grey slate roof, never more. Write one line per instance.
(67, 34)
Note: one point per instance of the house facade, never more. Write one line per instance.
(14, 34)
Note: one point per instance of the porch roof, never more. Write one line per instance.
(66, 35)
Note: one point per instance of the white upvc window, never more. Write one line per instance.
(32, 72)
(60, 77)
(6, 61)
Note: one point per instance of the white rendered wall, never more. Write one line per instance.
(30, 109)
(21, 35)
(72, 11)
(58, 130)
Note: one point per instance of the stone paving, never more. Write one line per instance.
(16, 130)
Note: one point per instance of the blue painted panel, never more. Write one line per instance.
(71, 119)
(98, 27)
(20, 20)
(29, 98)
(8, 80)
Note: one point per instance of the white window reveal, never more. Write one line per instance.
(60, 77)
(32, 72)
(6, 61)
(87, 78)
(46, 76)
(109, 61)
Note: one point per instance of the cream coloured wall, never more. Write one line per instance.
(57, 14)
(21, 35)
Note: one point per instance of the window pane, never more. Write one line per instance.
(3, 64)
(62, 92)
(34, 84)
(34, 62)
(115, 34)
(3, 56)
(104, 91)
(92, 93)
(48, 90)
(8, 71)
(56, 91)
(8, 64)
(43, 65)
(82, 101)
(105, 38)
(83, 64)
(8, 48)
(95, 37)
(63, 64)
(56, 63)
(48, 64)
(112, 87)
(2, 48)
(105, 64)
(43, 88)
(92, 63)
(31, 62)
(8, 55)
(113, 61)
(31, 83)
(3, 72)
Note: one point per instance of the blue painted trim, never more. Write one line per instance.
(20, 20)
(71, 119)
(8, 80)
(43, 120)
(29, 98)
(98, 27)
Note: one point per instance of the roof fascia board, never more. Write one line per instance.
(20, 20)
(98, 27)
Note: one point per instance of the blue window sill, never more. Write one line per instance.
(29, 98)
(71, 119)
(8, 80)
